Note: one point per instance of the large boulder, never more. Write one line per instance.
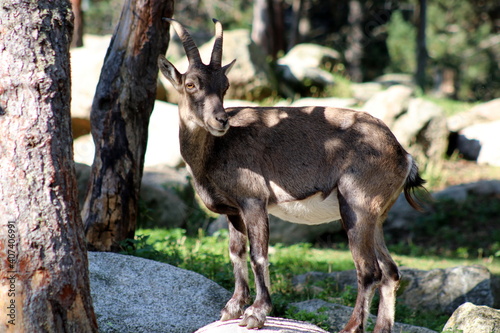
(163, 139)
(444, 290)
(439, 290)
(163, 136)
(301, 66)
(276, 325)
(251, 77)
(480, 142)
(470, 318)
(86, 64)
(387, 105)
(481, 113)
(422, 129)
(338, 315)
(132, 295)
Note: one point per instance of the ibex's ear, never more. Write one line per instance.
(169, 71)
(228, 67)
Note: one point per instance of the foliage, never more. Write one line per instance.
(460, 37)
(401, 44)
(453, 229)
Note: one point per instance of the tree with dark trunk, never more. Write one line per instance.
(354, 52)
(43, 260)
(120, 116)
(421, 44)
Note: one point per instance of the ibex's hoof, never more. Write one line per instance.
(253, 318)
(232, 310)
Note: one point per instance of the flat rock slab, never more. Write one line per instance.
(272, 324)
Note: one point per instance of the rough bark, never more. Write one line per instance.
(120, 117)
(354, 52)
(44, 282)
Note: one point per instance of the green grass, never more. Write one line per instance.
(208, 255)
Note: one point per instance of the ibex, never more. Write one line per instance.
(306, 165)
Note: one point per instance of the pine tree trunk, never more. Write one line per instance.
(354, 52)
(120, 117)
(43, 260)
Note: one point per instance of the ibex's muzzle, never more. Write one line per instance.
(216, 119)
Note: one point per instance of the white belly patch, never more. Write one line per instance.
(312, 210)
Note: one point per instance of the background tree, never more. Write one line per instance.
(268, 26)
(77, 40)
(43, 260)
(120, 117)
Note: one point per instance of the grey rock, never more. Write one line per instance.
(482, 113)
(86, 64)
(338, 315)
(132, 295)
(422, 129)
(302, 65)
(163, 139)
(444, 290)
(387, 105)
(391, 79)
(470, 318)
(460, 192)
(162, 207)
(480, 142)
(276, 325)
(440, 290)
(364, 91)
(163, 136)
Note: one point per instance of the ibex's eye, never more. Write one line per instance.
(190, 85)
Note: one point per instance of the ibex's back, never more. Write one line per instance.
(307, 165)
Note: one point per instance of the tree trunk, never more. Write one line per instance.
(43, 260)
(120, 117)
(421, 44)
(77, 40)
(354, 51)
(268, 26)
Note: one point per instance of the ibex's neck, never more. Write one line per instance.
(196, 145)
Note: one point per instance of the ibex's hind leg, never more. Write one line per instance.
(388, 286)
(238, 254)
(359, 225)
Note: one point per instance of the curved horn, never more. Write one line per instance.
(216, 58)
(190, 48)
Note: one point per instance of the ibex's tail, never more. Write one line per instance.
(415, 192)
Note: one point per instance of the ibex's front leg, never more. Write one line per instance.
(255, 217)
(238, 255)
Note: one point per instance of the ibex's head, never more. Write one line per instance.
(202, 87)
